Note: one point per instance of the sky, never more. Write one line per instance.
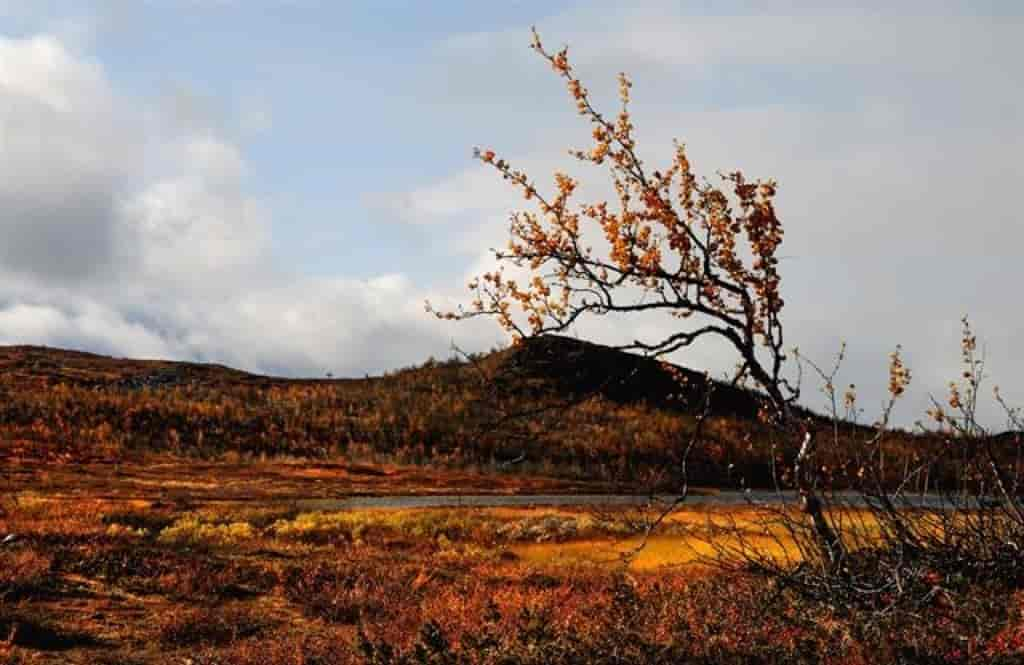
(278, 185)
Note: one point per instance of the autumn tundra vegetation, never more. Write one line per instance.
(158, 512)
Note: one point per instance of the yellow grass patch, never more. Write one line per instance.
(656, 552)
(192, 529)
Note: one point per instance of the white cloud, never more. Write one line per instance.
(162, 251)
(90, 326)
(40, 69)
(66, 157)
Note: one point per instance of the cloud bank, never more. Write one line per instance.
(129, 229)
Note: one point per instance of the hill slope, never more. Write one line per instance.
(554, 406)
(556, 363)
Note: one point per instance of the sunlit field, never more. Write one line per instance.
(92, 578)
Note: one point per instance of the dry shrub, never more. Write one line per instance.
(217, 579)
(54, 517)
(351, 592)
(722, 620)
(118, 563)
(150, 520)
(177, 574)
(25, 627)
(606, 630)
(24, 572)
(286, 648)
(210, 625)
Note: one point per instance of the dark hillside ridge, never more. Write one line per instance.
(553, 406)
(575, 367)
(51, 366)
(44, 365)
(552, 363)
(568, 365)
